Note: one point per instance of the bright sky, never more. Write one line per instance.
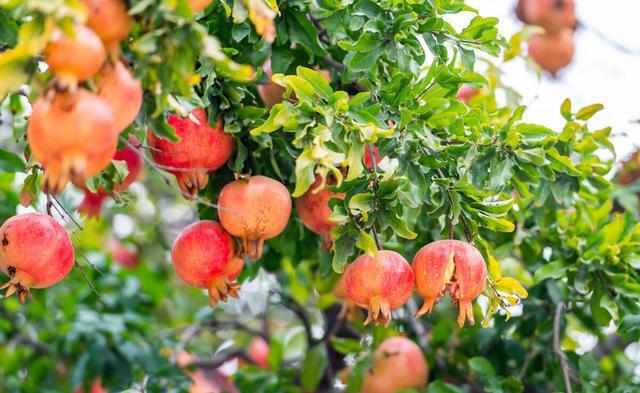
(600, 73)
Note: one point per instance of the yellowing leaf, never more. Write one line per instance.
(494, 268)
(511, 286)
(262, 14)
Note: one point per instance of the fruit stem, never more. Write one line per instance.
(253, 248)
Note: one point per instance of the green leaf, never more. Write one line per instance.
(317, 80)
(367, 244)
(313, 367)
(10, 162)
(553, 270)
(482, 367)
(587, 112)
(439, 386)
(565, 110)
(275, 355)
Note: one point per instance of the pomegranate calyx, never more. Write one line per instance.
(221, 289)
(18, 283)
(379, 311)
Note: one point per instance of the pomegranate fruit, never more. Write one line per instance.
(198, 5)
(205, 380)
(123, 255)
(630, 170)
(379, 283)
(204, 256)
(313, 209)
(77, 58)
(466, 93)
(398, 364)
(520, 11)
(200, 150)
(118, 88)
(96, 387)
(72, 135)
(259, 352)
(552, 52)
(272, 93)
(255, 208)
(35, 252)
(92, 202)
(552, 15)
(366, 156)
(449, 266)
(110, 21)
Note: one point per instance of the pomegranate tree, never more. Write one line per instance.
(75, 58)
(205, 256)
(72, 134)
(117, 87)
(398, 364)
(92, 202)
(552, 52)
(449, 266)
(254, 208)
(110, 20)
(35, 252)
(201, 149)
(379, 283)
(313, 209)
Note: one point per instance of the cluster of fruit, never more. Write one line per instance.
(553, 48)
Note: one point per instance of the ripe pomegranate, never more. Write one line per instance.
(204, 256)
(255, 208)
(72, 135)
(123, 255)
(205, 380)
(110, 21)
(201, 150)
(92, 202)
(520, 11)
(379, 283)
(630, 170)
(198, 5)
(75, 59)
(466, 93)
(552, 15)
(366, 156)
(35, 252)
(116, 86)
(449, 266)
(96, 387)
(552, 51)
(313, 209)
(398, 364)
(259, 352)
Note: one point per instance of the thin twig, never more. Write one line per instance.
(527, 362)
(301, 313)
(222, 358)
(68, 214)
(49, 204)
(186, 335)
(564, 364)
(374, 169)
(93, 287)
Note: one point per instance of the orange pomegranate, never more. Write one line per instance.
(198, 5)
(72, 135)
(110, 20)
(552, 15)
(259, 352)
(313, 209)
(35, 252)
(398, 364)
(379, 283)
(254, 208)
(75, 58)
(466, 93)
(201, 149)
(552, 52)
(117, 87)
(450, 266)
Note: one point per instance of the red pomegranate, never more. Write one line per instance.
(366, 156)
(313, 209)
(72, 135)
(205, 380)
(92, 202)
(450, 266)
(201, 150)
(255, 208)
(466, 93)
(552, 52)
(118, 88)
(110, 20)
(96, 387)
(552, 15)
(259, 352)
(123, 255)
(204, 256)
(198, 5)
(398, 364)
(77, 58)
(35, 252)
(520, 11)
(379, 283)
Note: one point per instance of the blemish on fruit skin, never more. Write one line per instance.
(5, 241)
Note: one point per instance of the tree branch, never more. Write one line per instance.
(564, 364)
